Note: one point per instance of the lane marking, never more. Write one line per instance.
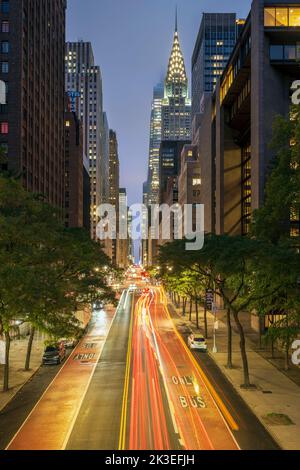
(65, 443)
(163, 374)
(217, 399)
(123, 422)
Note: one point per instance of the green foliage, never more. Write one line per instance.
(47, 272)
(282, 194)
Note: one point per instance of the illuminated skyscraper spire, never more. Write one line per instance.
(176, 68)
(176, 105)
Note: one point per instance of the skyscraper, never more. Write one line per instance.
(176, 105)
(124, 244)
(114, 186)
(114, 169)
(155, 140)
(170, 130)
(216, 39)
(237, 127)
(84, 86)
(32, 38)
(73, 171)
(104, 162)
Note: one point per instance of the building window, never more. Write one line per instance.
(282, 17)
(4, 127)
(289, 52)
(4, 67)
(294, 16)
(246, 188)
(197, 181)
(270, 18)
(281, 52)
(5, 47)
(5, 27)
(4, 148)
(276, 52)
(5, 6)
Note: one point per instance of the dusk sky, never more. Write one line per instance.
(132, 41)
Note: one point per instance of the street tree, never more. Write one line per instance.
(46, 271)
(229, 264)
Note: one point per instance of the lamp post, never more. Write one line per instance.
(216, 326)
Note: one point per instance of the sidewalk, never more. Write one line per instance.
(276, 400)
(17, 375)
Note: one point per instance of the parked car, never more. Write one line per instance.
(98, 306)
(196, 341)
(69, 343)
(54, 354)
(132, 287)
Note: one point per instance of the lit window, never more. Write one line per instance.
(5, 47)
(5, 6)
(281, 17)
(4, 67)
(5, 27)
(197, 181)
(294, 16)
(4, 127)
(270, 18)
(67, 123)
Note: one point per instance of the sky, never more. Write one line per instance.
(132, 41)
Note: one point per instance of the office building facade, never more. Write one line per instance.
(215, 41)
(105, 162)
(170, 164)
(123, 242)
(238, 125)
(155, 140)
(32, 38)
(114, 187)
(84, 87)
(73, 171)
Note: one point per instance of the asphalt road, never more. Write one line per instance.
(251, 434)
(148, 423)
(199, 422)
(144, 366)
(15, 413)
(98, 423)
(49, 424)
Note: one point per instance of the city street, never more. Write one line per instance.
(159, 351)
(178, 399)
(149, 229)
(47, 425)
(133, 384)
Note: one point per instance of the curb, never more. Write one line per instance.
(237, 389)
(20, 388)
(270, 431)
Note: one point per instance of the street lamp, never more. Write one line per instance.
(216, 327)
